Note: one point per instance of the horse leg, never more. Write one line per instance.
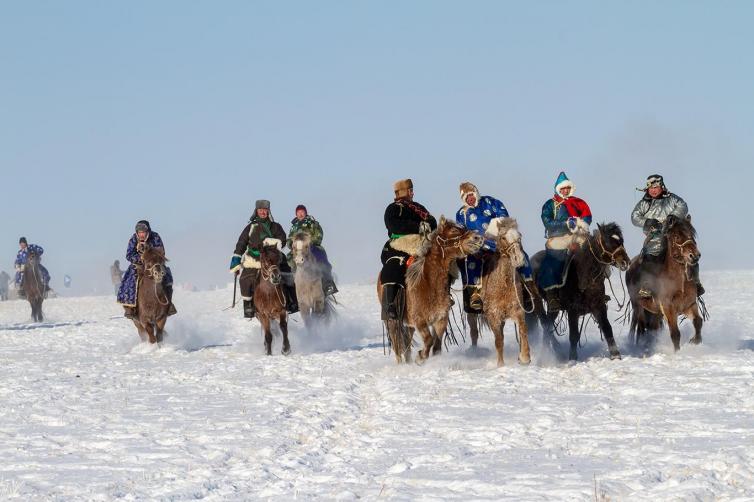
(473, 320)
(675, 333)
(497, 329)
(428, 340)
(438, 329)
(150, 333)
(695, 316)
(141, 330)
(573, 335)
(160, 325)
(284, 328)
(408, 340)
(607, 331)
(265, 321)
(524, 352)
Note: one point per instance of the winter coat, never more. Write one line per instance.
(23, 255)
(657, 209)
(309, 226)
(253, 235)
(478, 218)
(557, 211)
(403, 217)
(133, 254)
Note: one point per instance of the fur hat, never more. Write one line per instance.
(401, 187)
(656, 180)
(302, 207)
(562, 182)
(467, 188)
(143, 226)
(262, 204)
(22, 240)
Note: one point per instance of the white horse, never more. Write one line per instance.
(312, 302)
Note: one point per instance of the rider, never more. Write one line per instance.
(303, 222)
(143, 236)
(562, 215)
(260, 230)
(406, 221)
(650, 213)
(21, 259)
(476, 214)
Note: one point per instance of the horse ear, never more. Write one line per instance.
(688, 218)
(671, 221)
(443, 220)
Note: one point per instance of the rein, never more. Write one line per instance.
(443, 243)
(273, 275)
(156, 272)
(604, 251)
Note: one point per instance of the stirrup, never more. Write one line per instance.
(172, 310)
(645, 293)
(129, 312)
(475, 301)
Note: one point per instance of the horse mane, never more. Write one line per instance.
(154, 254)
(682, 224)
(611, 228)
(415, 271)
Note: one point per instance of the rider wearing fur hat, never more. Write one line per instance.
(142, 238)
(305, 223)
(562, 215)
(650, 214)
(22, 257)
(407, 222)
(262, 230)
(477, 214)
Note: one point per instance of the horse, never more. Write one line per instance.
(584, 290)
(34, 286)
(426, 299)
(313, 304)
(269, 299)
(152, 301)
(675, 291)
(500, 291)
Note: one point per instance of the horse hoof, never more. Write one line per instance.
(615, 355)
(696, 340)
(286, 351)
(420, 360)
(524, 362)
(573, 356)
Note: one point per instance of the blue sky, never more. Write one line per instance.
(184, 113)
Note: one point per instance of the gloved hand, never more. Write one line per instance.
(20, 268)
(651, 225)
(140, 246)
(235, 265)
(572, 223)
(424, 228)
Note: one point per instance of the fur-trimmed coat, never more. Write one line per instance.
(253, 235)
(403, 217)
(557, 210)
(478, 218)
(307, 225)
(658, 209)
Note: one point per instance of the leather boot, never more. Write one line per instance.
(169, 293)
(129, 312)
(328, 286)
(389, 301)
(291, 302)
(552, 296)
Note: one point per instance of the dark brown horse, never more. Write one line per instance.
(426, 298)
(584, 290)
(34, 286)
(675, 292)
(269, 298)
(152, 301)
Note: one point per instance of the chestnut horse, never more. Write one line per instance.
(34, 286)
(584, 290)
(502, 294)
(675, 292)
(426, 298)
(152, 301)
(269, 299)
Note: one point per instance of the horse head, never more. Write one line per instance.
(154, 260)
(456, 241)
(270, 257)
(507, 239)
(609, 248)
(301, 247)
(681, 237)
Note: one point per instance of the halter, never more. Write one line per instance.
(613, 261)
(271, 274)
(443, 243)
(156, 272)
(680, 246)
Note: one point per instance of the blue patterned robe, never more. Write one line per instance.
(478, 219)
(22, 257)
(129, 286)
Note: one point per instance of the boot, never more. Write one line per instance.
(389, 303)
(248, 309)
(695, 278)
(169, 293)
(475, 298)
(129, 312)
(291, 302)
(21, 293)
(552, 296)
(328, 285)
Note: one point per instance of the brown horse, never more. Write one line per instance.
(269, 298)
(152, 301)
(502, 294)
(675, 292)
(34, 286)
(584, 290)
(426, 299)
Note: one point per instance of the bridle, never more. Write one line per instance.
(457, 242)
(156, 272)
(679, 257)
(271, 274)
(604, 252)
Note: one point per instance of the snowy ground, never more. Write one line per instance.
(88, 413)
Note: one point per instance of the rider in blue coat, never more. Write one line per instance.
(476, 214)
(143, 237)
(20, 263)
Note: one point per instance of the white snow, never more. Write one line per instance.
(89, 413)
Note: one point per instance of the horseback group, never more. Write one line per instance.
(422, 258)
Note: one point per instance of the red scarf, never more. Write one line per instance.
(575, 207)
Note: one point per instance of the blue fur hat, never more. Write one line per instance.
(563, 181)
